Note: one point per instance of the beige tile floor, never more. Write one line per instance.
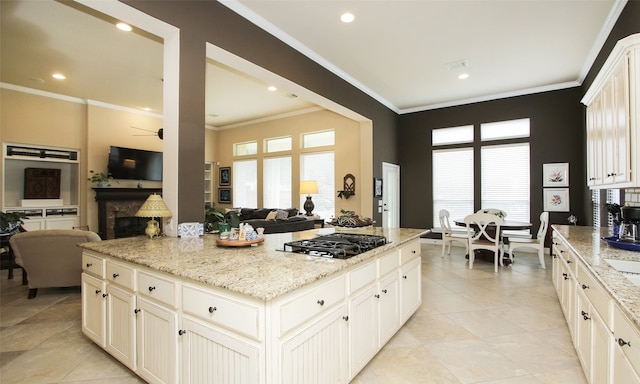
(474, 326)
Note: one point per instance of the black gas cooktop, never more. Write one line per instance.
(336, 245)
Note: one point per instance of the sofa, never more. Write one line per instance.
(273, 220)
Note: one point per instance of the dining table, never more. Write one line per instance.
(507, 225)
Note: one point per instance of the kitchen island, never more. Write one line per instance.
(600, 304)
(186, 310)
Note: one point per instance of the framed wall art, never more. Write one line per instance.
(377, 187)
(556, 199)
(225, 176)
(555, 175)
(224, 195)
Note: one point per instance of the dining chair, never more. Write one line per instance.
(483, 230)
(448, 236)
(537, 243)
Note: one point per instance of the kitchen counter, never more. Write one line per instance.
(262, 272)
(587, 243)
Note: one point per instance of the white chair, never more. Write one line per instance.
(483, 230)
(447, 233)
(537, 243)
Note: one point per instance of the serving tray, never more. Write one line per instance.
(238, 243)
(614, 242)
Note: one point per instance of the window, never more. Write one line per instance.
(595, 206)
(501, 130)
(245, 176)
(504, 167)
(455, 135)
(505, 179)
(318, 139)
(452, 186)
(243, 149)
(277, 145)
(319, 166)
(276, 182)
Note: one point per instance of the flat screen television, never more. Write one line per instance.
(135, 164)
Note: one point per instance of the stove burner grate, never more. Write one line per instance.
(336, 245)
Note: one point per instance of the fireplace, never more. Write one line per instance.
(121, 204)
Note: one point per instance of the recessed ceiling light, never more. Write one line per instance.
(347, 17)
(58, 76)
(272, 88)
(124, 27)
(147, 109)
(463, 76)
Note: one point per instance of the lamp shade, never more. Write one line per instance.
(308, 187)
(154, 206)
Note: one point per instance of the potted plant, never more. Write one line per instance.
(214, 219)
(103, 179)
(10, 221)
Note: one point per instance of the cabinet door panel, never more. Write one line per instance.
(389, 308)
(121, 325)
(157, 341)
(318, 354)
(93, 309)
(210, 356)
(410, 288)
(363, 328)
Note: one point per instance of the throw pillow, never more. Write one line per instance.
(281, 214)
(272, 215)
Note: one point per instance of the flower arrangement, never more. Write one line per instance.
(572, 219)
(101, 178)
(11, 221)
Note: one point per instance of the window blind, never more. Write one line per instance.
(452, 183)
(245, 176)
(277, 182)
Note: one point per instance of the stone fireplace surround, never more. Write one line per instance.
(121, 203)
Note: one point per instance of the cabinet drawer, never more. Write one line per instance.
(227, 312)
(595, 292)
(93, 264)
(158, 288)
(388, 263)
(624, 329)
(410, 251)
(311, 302)
(362, 276)
(121, 275)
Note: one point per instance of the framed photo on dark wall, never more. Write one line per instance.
(225, 176)
(224, 195)
(377, 187)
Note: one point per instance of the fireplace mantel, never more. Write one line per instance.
(109, 200)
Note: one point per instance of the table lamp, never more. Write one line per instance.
(307, 187)
(153, 207)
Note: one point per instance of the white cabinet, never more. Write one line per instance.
(168, 329)
(410, 292)
(61, 212)
(612, 119)
(318, 353)
(157, 328)
(94, 309)
(210, 355)
(626, 353)
(602, 334)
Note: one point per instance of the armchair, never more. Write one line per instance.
(51, 257)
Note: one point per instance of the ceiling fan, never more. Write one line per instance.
(159, 133)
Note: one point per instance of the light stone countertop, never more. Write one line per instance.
(587, 243)
(262, 272)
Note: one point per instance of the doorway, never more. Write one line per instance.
(390, 195)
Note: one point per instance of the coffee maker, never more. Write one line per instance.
(630, 227)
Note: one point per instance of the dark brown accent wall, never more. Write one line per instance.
(557, 136)
(209, 21)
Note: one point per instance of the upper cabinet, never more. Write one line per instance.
(613, 125)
